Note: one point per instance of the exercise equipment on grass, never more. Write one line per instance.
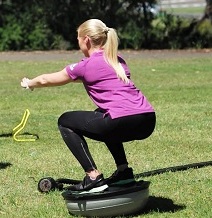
(20, 127)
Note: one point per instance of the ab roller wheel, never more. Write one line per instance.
(48, 184)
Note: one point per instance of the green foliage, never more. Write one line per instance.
(40, 37)
(24, 27)
(130, 36)
(45, 25)
(204, 30)
(11, 35)
(169, 31)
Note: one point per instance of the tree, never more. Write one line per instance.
(208, 11)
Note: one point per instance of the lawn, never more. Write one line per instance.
(187, 10)
(197, 12)
(180, 91)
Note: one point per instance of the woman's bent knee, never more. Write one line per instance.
(62, 119)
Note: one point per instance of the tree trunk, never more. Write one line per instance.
(208, 11)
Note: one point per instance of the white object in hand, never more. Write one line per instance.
(25, 83)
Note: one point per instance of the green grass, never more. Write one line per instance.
(187, 10)
(181, 92)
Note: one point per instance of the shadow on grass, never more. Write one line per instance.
(161, 205)
(6, 135)
(4, 165)
(158, 205)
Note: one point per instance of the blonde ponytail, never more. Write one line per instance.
(111, 54)
(103, 37)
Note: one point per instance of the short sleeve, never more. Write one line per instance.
(76, 70)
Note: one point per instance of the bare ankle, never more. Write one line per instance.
(93, 173)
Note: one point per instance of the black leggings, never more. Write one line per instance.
(75, 125)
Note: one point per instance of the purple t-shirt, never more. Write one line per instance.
(109, 93)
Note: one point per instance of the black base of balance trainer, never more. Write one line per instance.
(115, 201)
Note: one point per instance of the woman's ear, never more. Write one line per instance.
(87, 42)
(87, 39)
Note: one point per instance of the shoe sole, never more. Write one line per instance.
(93, 190)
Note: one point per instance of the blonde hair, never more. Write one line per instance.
(103, 37)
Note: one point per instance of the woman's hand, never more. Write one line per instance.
(25, 83)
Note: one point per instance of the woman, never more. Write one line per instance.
(123, 113)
